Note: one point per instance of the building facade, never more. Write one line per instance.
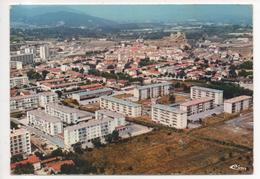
(32, 101)
(86, 131)
(238, 104)
(124, 107)
(169, 116)
(19, 81)
(92, 96)
(44, 122)
(152, 91)
(24, 58)
(67, 114)
(20, 142)
(196, 106)
(118, 118)
(200, 92)
(44, 52)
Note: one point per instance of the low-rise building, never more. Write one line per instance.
(238, 104)
(152, 90)
(124, 107)
(92, 96)
(20, 142)
(67, 114)
(169, 116)
(44, 122)
(200, 92)
(32, 101)
(196, 106)
(19, 81)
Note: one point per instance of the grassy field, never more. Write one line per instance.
(167, 152)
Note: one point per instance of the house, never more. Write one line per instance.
(56, 166)
(33, 159)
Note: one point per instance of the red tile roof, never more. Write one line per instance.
(31, 159)
(56, 166)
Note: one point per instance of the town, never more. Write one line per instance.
(76, 100)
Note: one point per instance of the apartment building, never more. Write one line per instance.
(16, 65)
(238, 104)
(44, 122)
(169, 116)
(103, 113)
(24, 58)
(19, 81)
(92, 96)
(152, 91)
(124, 107)
(67, 114)
(32, 101)
(196, 106)
(200, 92)
(20, 142)
(86, 131)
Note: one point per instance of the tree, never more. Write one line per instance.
(75, 69)
(112, 137)
(68, 169)
(27, 168)
(57, 152)
(44, 74)
(110, 67)
(59, 93)
(16, 158)
(81, 70)
(96, 142)
(33, 75)
(247, 65)
(78, 148)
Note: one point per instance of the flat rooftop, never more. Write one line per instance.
(120, 101)
(87, 124)
(48, 93)
(67, 109)
(153, 85)
(95, 91)
(41, 115)
(110, 113)
(197, 101)
(168, 108)
(237, 99)
(207, 89)
(20, 131)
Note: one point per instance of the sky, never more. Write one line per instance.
(162, 13)
(141, 13)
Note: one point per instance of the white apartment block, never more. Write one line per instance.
(200, 92)
(20, 142)
(67, 114)
(118, 118)
(44, 52)
(16, 65)
(196, 106)
(32, 101)
(24, 58)
(86, 131)
(169, 116)
(19, 81)
(238, 104)
(44, 122)
(124, 107)
(152, 91)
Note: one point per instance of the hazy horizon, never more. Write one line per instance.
(155, 13)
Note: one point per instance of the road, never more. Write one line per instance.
(52, 139)
(245, 120)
